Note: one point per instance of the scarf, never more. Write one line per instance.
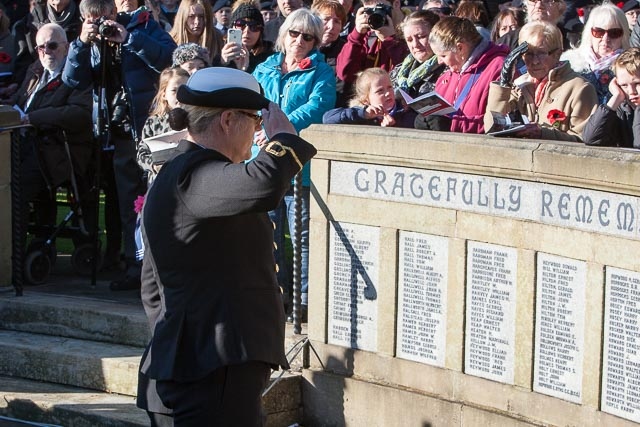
(598, 65)
(411, 72)
(65, 17)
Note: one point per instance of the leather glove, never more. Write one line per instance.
(506, 75)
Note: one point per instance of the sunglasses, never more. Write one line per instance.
(257, 120)
(540, 56)
(613, 33)
(51, 46)
(254, 27)
(306, 37)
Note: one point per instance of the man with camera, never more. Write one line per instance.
(373, 42)
(121, 51)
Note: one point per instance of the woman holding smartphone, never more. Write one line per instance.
(246, 47)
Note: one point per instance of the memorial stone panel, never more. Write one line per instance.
(490, 311)
(621, 357)
(559, 329)
(422, 297)
(353, 282)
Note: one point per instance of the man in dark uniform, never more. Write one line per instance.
(209, 244)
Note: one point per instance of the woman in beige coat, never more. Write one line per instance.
(555, 99)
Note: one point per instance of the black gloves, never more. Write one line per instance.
(506, 75)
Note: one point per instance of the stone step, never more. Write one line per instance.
(78, 317)
(89, 364)
(95, 318)
(71, 406)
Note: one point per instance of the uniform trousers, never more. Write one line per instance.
(229, 396)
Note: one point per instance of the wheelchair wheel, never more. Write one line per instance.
(82, 259)
(38, 244)
(37, 267)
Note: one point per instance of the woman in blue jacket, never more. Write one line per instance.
(298, 79)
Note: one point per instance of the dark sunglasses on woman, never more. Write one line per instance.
(254, 27)
(614, 33)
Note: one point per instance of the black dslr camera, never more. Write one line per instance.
(378, 15)
(104, 29)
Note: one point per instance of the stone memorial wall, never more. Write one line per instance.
(487, 284)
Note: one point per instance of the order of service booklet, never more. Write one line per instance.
(505, 124)
(162, 146)
(429, 104)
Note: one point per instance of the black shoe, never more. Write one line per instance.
(304, 316)
(127, 284)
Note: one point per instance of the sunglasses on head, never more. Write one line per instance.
(50, 45)
(306, 37)
(254, 27)
(613, 33)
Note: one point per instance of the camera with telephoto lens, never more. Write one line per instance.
(378, 15)
(104, 29)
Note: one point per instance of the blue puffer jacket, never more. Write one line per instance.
(304, 95)
(146, 52)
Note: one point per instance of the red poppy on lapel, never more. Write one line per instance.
(53, 84)
(304, 64)
(5, 58)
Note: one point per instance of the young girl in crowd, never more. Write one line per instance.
(158, 121)
(374, 104)
(157, 124)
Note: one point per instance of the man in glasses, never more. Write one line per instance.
(135, 50)
(62, 12)
(58, 113)
(551, 11)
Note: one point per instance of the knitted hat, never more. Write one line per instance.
(224, 88)
(249, 12)
(188, 52)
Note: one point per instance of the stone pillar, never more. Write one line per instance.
(8, 117)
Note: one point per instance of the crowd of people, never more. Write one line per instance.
(557, 72)
(331, 61)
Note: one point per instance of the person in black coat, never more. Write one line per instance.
(219, 329)
(617, 123)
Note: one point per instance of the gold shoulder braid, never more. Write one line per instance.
(279, 150)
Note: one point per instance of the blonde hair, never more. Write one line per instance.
(159, 105)
(363, 85)
(546, 31)
(628, 60)
(210, 37)
(451, 30)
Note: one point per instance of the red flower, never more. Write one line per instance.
(580, 11)
(53, 84)
(556, 117)
(304, 64)
(620, 4)
(5, 58)
(138, 204)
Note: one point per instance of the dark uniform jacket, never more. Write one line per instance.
(53, 109)
(209, 243)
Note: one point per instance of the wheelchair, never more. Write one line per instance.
(48, 153)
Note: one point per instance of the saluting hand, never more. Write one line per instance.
(274, 121)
